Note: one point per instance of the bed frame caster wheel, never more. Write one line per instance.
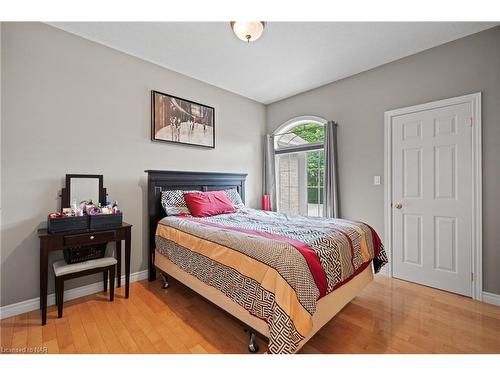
(165, 281)
(252, 345)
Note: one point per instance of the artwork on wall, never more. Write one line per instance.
(181, 121)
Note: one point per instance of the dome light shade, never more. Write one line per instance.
(248, 31)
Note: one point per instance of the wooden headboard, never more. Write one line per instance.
(159, 181)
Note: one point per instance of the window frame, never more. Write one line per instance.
(286, 127)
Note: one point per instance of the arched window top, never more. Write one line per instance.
(299, 133)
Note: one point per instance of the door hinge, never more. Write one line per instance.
(471, 122)
(472, 276)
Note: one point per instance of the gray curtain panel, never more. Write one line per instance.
(331, 192)
(269, 187)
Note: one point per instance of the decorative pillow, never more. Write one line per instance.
(208, 203)
(235, 198)
(173, 202)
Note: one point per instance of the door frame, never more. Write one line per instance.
(477, 225)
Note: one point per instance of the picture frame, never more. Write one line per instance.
(181, 121)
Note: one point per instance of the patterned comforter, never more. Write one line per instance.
(274, 265)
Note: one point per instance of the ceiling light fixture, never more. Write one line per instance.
(248, 31)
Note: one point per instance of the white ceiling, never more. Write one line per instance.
(290, 57)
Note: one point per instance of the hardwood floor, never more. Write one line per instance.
(389, 316)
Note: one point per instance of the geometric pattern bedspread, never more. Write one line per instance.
(276, 266)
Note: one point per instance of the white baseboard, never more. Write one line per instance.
(492, 298)
(34, 303)
(486, 297)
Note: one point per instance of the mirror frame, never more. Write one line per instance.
(66, 191)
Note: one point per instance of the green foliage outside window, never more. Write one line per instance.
(313, 133)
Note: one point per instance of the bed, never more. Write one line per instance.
(283, 277)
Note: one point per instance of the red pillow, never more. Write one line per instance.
(208, 203)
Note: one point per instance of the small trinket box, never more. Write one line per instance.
(105, 221)
(59, 222)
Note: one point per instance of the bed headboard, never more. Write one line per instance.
(159, 181)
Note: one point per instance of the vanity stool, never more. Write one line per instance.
(64, 271)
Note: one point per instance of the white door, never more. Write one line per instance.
(432, 190)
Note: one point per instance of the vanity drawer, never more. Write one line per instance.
(89, 238)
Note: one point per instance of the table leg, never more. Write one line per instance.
(127, 262)
(151, 263)
(119, 262)
(44, 260)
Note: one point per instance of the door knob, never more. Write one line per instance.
(399, 205)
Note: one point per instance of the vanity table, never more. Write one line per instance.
(54, 242)
(59, 241)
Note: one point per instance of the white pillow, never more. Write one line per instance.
(173, 202)
(235, 198)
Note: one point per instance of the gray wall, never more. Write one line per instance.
(358, 103)
(0, 153)
(73, 106)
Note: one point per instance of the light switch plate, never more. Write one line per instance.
(376, 180)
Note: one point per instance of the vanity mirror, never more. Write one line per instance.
(80, 187)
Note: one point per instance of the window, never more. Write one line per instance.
(300, 164)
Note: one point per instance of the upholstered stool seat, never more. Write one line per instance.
(64, 271)
(63, 268)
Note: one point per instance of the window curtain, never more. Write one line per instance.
(269, 187)
(331, 205)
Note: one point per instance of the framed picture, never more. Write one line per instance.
(181, 121)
